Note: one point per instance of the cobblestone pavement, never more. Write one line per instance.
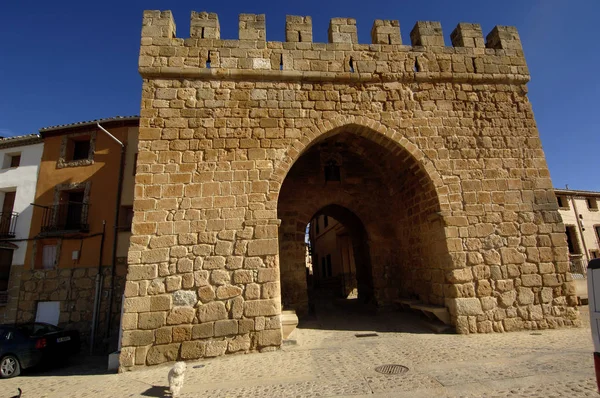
(329, 360)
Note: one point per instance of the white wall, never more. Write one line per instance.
(23, 180)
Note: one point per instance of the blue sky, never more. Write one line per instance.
(67, 61)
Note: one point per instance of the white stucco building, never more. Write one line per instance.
(581, 216)
(19, 164)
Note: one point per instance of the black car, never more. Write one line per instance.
(26, 345)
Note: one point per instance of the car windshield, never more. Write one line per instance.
(38, 329)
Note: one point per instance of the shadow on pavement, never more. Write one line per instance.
(351, 315)
(157, 391)
(79, 365)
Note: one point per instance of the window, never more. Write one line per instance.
(594, 254)
(597, 229)
(332, 171)
(563, 202)
(69, 210)
(125, 218)
(73, 211)
(572, 240)
(11, 160)
(7, 218)
(77, 150)
(325, 221)
(323, 267)
(317, 225)
(37, 329)
(49, 256)
(46, 253)
(329, 270)
(15, 160)
(592, 203)
(81, 150)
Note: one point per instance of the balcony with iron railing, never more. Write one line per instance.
(578, 266)
(67, 217)
(8, 224)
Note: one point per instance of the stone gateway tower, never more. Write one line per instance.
(428, 154)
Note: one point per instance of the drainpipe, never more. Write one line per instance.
(115, 227)
(97, 296)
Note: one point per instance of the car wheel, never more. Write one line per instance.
(9, 367)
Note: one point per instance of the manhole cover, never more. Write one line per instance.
(391, 369)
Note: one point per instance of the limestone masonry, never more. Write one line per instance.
(429, 154)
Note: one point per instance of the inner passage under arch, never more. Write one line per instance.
(338, 263)
(384, 199)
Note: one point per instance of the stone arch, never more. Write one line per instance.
(375, 143)
(375, 131)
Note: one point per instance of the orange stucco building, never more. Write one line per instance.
(72, 234)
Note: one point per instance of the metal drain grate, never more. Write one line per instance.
(391, 369)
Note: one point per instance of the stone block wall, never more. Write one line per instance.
(75, 289)
(216, 144)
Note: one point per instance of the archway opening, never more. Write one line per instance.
(338, 261)
(388, 207)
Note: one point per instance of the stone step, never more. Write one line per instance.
(289, 321)
(406, 302)
(291, 339)
(432, 311)
(437, 327)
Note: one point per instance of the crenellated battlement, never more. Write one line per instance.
(386, 32)
(499, 57)
(298, 29)
(204, 25)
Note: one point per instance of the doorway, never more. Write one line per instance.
(339, 258)
(6, 217)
